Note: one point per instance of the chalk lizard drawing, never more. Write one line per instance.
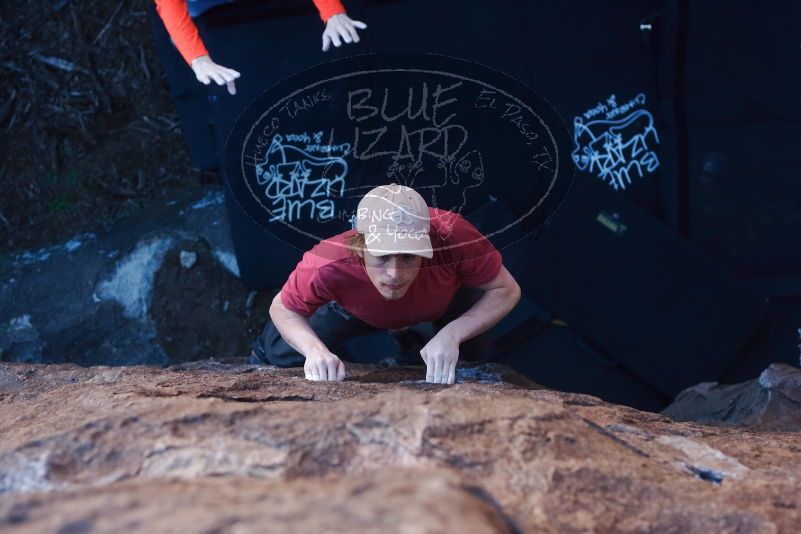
(300, 184)
(616, 149)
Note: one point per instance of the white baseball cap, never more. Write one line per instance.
(394, 220)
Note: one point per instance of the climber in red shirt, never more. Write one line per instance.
(404, 263)
(183, 31)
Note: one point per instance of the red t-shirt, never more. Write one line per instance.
(462, 255)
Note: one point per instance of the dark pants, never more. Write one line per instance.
(334, 326)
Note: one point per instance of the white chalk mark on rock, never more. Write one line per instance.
(702, 457)
(23, 322)
(19, 473)
(27, 257)
(228, 261)
(132, 281)
(188, 259)
(211, 199)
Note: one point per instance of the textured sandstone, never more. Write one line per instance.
(211, 447)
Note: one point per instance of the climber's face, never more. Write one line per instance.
(393, 274)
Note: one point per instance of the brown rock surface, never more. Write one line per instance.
(212, 448)
(422, 501)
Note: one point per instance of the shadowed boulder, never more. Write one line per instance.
(770, 403)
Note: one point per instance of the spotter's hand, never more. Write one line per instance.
(340, 28)
(207, 71)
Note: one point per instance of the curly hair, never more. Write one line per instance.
(357, 245)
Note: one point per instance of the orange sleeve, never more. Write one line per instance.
(182, 29)
(329, 8)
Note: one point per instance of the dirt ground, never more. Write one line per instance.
(88, 132)
(204, 311)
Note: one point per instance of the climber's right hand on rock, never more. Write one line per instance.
(207, 71)
(324, 365)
